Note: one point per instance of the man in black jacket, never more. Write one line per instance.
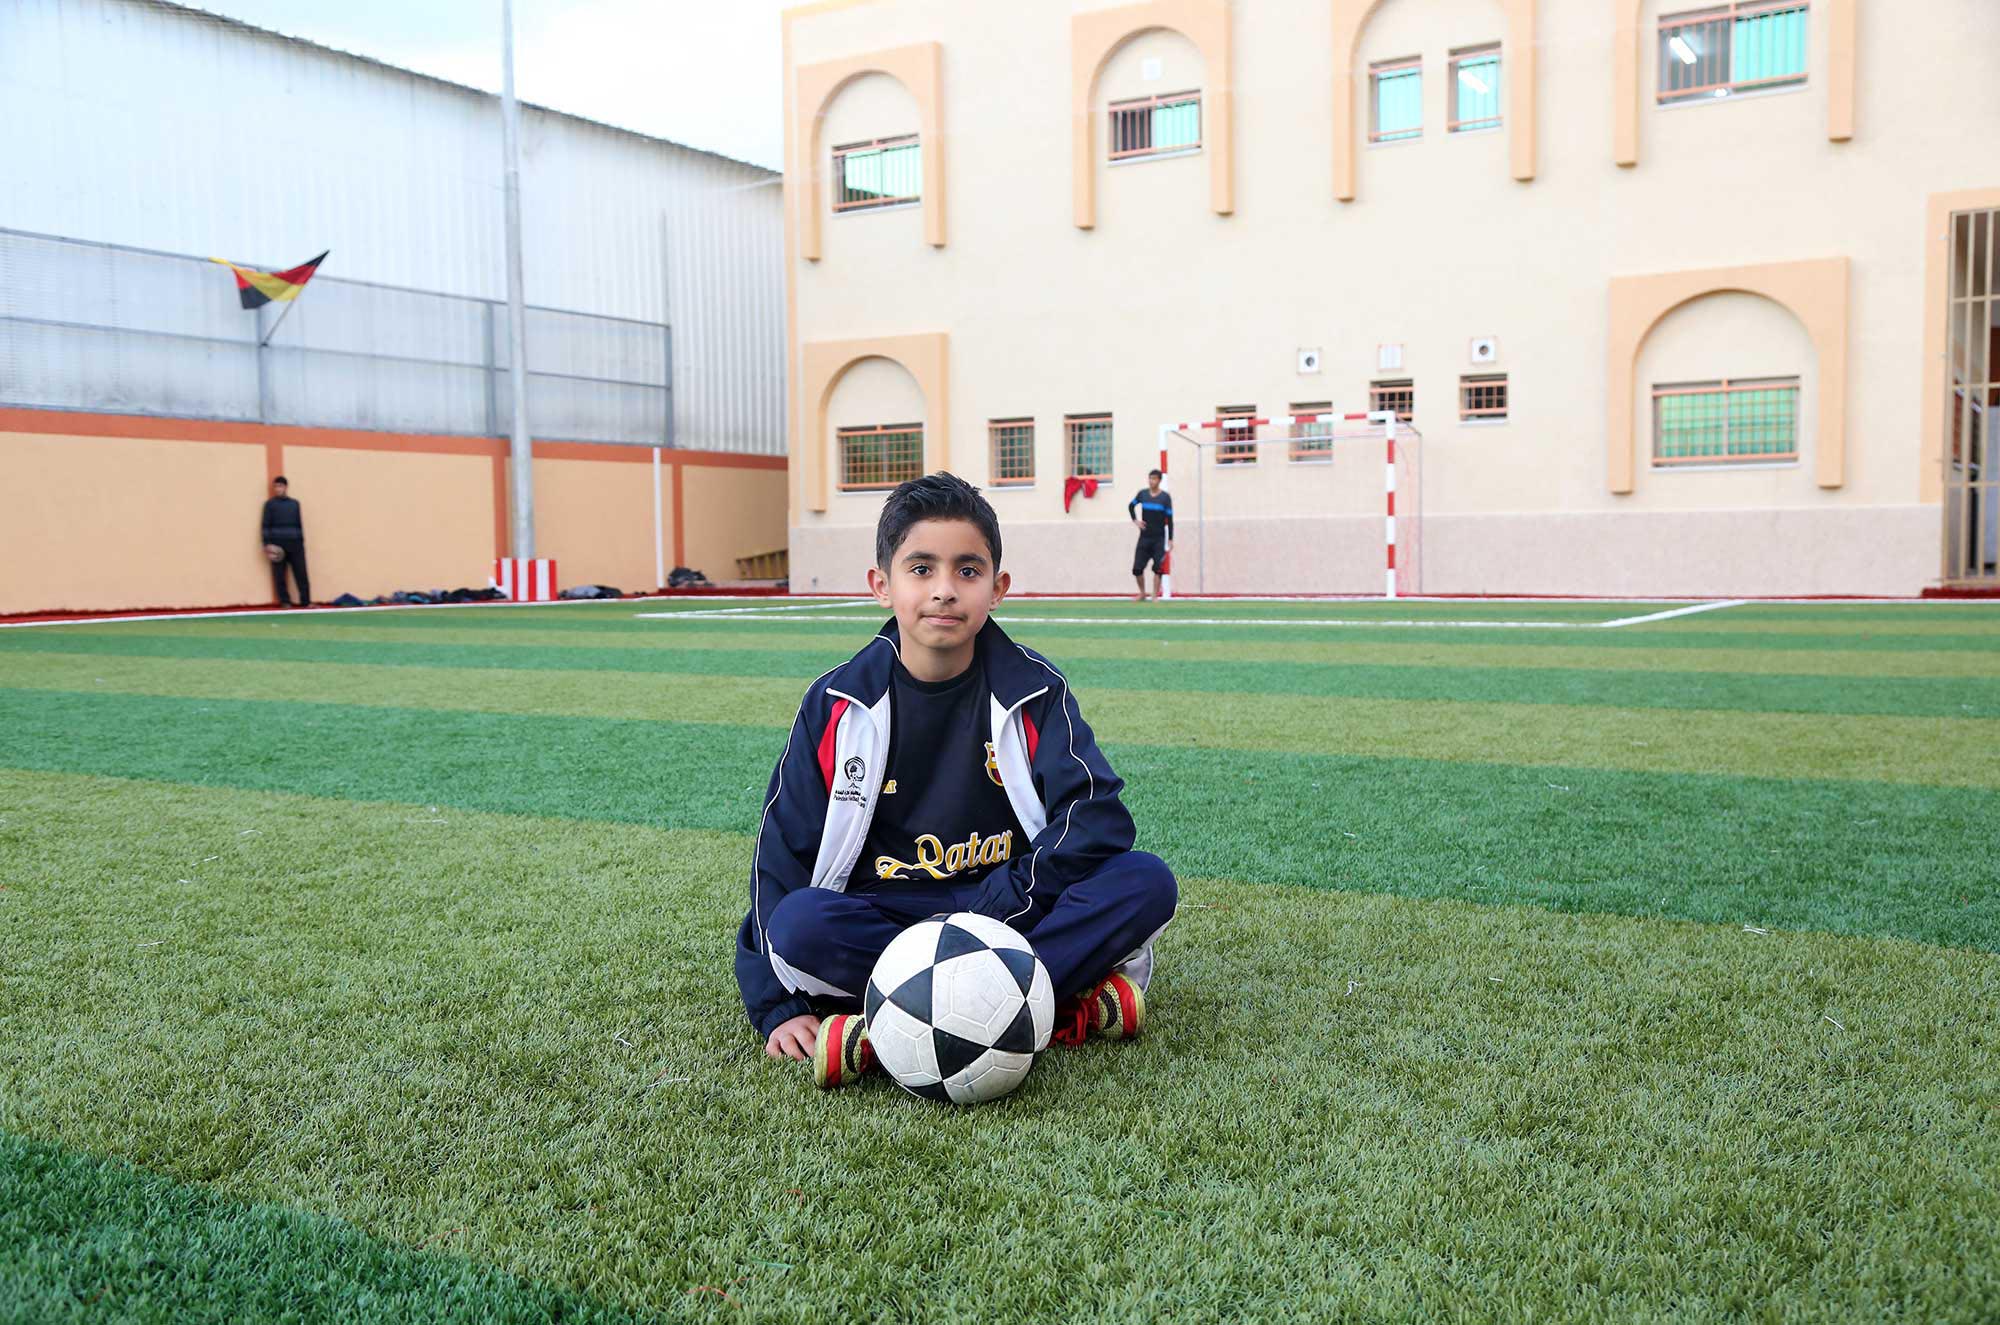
(285, 543)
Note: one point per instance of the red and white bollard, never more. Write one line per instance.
(526, 580)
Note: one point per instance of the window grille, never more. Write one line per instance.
(1482, 397)
(1747, 421)
(1089, 445)
(1237, 452)
(1012, 443)
(1475, 89)
(1742, 47)
(1400, 396)
(872, 458)
(1312, 441)
(1154, 126)
(1396, 96)
(883, 173)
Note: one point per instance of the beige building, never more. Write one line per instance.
(1679, 299)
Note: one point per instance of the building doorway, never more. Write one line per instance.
(1972, 457)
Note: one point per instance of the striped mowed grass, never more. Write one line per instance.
(376, 965)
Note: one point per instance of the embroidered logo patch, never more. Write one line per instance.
(993, 765)
(852, 769)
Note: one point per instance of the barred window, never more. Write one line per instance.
(1482, 397)
(1739, 47)
(1475, 89)
(882, 173)
(1396, 100)
(1746, 421)
(1399, 395)
(1312, 440)
(880, 457)
(1154, 126)
(1242, 452)
(1089, 445)
(1012, 444)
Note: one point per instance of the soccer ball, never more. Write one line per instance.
(957, 1008)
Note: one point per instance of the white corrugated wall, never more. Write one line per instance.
(136, 123)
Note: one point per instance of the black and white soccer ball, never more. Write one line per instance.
(957, 1008)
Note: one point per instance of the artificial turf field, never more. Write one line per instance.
(375, 965)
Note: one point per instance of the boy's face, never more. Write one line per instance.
(942, 586)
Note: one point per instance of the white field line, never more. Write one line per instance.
(1150, 621)
(1678, 611)
(818, 612)
(824, 605)
(832, 602)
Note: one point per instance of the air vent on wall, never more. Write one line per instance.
(1309, 361)
(1485, 349)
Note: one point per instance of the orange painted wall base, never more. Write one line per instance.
(100, 512)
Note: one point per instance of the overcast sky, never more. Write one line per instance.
(700, 72)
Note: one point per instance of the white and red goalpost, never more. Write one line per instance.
(1401, 452)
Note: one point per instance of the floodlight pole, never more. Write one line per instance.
(521, 450)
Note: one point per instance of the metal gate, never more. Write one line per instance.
(1972, 461)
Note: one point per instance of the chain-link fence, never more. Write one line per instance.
(121, 330)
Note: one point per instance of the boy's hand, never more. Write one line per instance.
(794, 1038)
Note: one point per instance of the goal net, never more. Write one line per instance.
(1321, 503)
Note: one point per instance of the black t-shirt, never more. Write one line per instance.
(1156, 510)
(943, 816)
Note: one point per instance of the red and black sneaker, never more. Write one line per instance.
(842, 1053)
(1114, 1009)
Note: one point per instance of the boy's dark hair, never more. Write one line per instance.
(938, 496)
(1154, 473)
(281, 479)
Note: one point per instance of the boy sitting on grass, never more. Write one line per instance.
(942, 768)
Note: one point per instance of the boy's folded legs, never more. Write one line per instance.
(825, 943)
(1103, 923)
(1095, 938)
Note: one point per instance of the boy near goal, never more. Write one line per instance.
(1153, 511)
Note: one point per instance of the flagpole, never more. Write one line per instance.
(290, 304)
(521, 450)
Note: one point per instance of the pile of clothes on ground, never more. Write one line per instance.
(402, 596)
(681, 577)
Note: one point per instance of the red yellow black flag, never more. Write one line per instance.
(257, 288)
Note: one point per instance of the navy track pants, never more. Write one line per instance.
(825, 943)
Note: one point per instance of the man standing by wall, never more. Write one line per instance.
(1153, 511)
(285, 543)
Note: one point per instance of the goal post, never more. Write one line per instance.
(1327, 489)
